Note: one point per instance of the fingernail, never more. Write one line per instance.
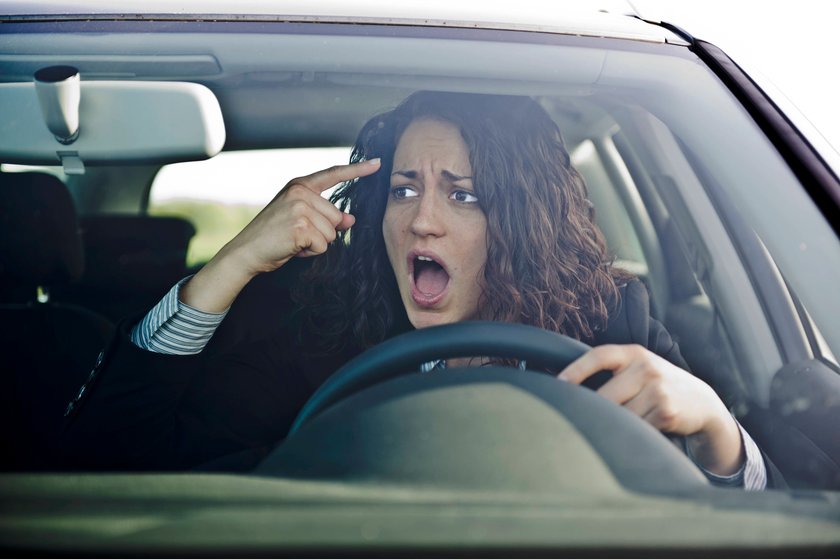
(375, 161)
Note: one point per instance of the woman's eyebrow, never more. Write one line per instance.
(452, 177)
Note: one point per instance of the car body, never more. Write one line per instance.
(703, 188)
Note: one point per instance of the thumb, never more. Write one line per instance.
(347, 221)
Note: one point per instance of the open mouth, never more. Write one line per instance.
(429, 279)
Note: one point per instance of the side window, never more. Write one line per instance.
(221, 195)
(610, 212)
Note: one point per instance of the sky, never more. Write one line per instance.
(792, 44)
(788, 46)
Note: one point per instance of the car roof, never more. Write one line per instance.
(602, 18)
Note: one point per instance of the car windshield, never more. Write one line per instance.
(187, 127)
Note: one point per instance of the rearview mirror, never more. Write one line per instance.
(118, 122)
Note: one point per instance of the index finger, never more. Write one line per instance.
(320, 181)
(609, 357)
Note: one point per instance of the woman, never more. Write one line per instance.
(456, 207)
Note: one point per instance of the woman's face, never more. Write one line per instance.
(435, 231)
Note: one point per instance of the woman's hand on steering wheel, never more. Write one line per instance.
(669, 398)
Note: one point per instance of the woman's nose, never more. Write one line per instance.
(428, 219)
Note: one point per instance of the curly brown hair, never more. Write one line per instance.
(547, 262)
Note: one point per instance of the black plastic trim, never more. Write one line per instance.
(679, 31)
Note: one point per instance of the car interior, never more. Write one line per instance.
(692, 193)
(81, 253)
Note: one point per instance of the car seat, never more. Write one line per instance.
(48, 348)
(131, 262)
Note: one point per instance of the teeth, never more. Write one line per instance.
(425, 258)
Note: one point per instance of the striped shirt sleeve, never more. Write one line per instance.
(752, 475)
(175, 328)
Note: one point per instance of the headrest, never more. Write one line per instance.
(40, 242)
(136, 253)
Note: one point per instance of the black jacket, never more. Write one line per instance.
(229, 405)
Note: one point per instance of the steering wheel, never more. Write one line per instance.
(403, 354)
(490, 428)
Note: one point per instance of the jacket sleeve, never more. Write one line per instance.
(141, 410)
(631, 323)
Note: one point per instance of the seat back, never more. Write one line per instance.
(131, 262)
(47, 349)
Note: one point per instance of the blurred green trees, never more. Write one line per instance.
(215, 223)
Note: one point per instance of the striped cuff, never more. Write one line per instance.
(430, 366)
(755, 471)
(752, 475)
(175, 328)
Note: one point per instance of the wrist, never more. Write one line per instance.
(214, 288)
(718, 446)
(233, 264)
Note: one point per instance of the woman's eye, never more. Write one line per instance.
(400, 192)
(464, 196)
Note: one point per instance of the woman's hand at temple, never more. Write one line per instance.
(669, 398)
(297, 222)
